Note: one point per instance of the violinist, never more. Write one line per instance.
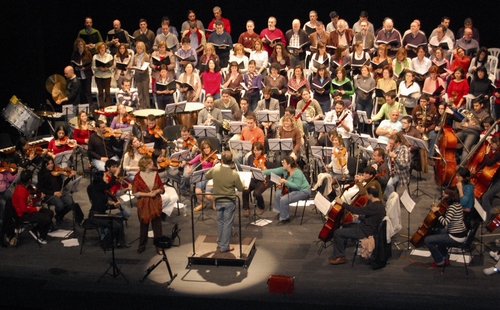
(363, 181)
(101, 149)
(491, 159)
(60, 142)
(295, 181)
(178, 173)
(338, 166)
(132, 156)
(399, 164)
(123, 119)
(258, 160)
(53, 187)
(83, 129)
(342, 117)
(206, 159)
(454, 232)
(382, 168)
(112, 177)
(28, 210)
(128, 96)
(370, 217)
(153, 133)
(28, 156)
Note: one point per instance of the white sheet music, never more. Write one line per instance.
(407, 201)
(245, 178)
(275, 178)
(480, 210)
(322, 203)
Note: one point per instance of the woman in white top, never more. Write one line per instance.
(102, 74)
(259, 54)
(338, 165)
(321, 57)
(421, 65)
(359, 58)
(189, 76)
(409, 91)
(239, 57)
(131, 159)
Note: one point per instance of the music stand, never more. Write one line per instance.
(241, 145)
(268, 116)
(116, 271)
(409, 204)
(366, 151)
(181, 156)
(420, 144)
(199, 176)
(62, 158)
(227, 114)
(174, 108)
(257, 175)
(71, 187)
(280, 144)
(362, 118)
(205, 131)
(324, 154)
(322, 126)
(236, 127)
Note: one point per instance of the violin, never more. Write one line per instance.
(128, 118)
(189, 143)
(57, 171)
(340, 156)
(157, 133)
(174, 162)
(260, 162)
(112, 132)
(144, 150)
(211, 158)
(10, 167)
(67, 141)
(34, 150)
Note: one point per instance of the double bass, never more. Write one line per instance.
(446, 164)
(427, 225)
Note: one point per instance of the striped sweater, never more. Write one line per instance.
(453, 219)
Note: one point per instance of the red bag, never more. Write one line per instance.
(281, 284)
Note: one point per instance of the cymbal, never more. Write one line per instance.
(45, 113)
(56, 86)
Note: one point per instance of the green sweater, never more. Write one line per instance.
(225, 181)
(296, 182)
(348, 88)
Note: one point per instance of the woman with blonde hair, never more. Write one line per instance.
(141, 77)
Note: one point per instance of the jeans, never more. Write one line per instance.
(282, 204)
(468, 138)
(488, 196)
(437, 244)
(391, 186)
(432, 141)
(225, 218)
(341, 236)
(325, 106)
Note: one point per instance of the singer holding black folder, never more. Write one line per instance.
(101, 64)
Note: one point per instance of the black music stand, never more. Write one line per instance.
(366, 152)
(419, 144)
(256, 174)
(322, 155)
(164, 242)
(409, 204)
(199, 176)
(227, 114)
(205, 131)
(322, 126)
(363, 119)
(70, 188)
(280, 144)
(266, 116)
(116, 271)
(240, 145)
(236, 127)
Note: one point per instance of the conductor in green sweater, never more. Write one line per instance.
(225, 182)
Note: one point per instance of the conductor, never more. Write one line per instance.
(225, 181)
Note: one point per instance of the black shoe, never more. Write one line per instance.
(277, 216)
(163, 217)
(283, 222)
(122, 246)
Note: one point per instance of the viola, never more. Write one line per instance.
(157, 133)
(10, 167)
(34, 150)
(127, 119)
(189, 143)
(57, 171)
(174, 162)
(112, 132)
(427, 225)
(144, 150)
(494, 223)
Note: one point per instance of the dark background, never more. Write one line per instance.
(38, 37)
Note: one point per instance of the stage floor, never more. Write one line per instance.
(58, 277)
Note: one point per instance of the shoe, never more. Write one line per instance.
(122, 246)
(163, 217)
(260, 211)
(246, 213)
(495, 255)
(283, 222)
(199, 207)
(38, 239)
(490, 271)
(139, 251)
(434, 264)
(338, 260)
(159, 251)
(228, 250)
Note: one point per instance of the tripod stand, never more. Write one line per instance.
(164, 242)
(116, 271)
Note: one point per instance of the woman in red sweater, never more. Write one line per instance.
(212, 79)
(457, 89)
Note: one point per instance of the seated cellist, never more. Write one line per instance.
(491, 162)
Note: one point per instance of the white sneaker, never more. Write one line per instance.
(490, 271)
(39, 240)
(495, 255)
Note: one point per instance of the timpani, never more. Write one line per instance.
(142, 116)
(190, 115)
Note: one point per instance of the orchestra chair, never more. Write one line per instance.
(13, 223)
(172, 133)
(467, 245)
(383, 246)
(87, 225)
(494, 52)
(304, 203)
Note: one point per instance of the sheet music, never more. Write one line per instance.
(245, 178)
(322, 203)
(480, 210)
(407, 201)
(275, 178)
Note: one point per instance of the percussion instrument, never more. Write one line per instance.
(111, 111)
(21, 117)
(56, 86)
(190, 115)
(73, 122)
(142, 117)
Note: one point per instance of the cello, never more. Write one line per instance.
(446, 165)
(333, 220)
(427, 225)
